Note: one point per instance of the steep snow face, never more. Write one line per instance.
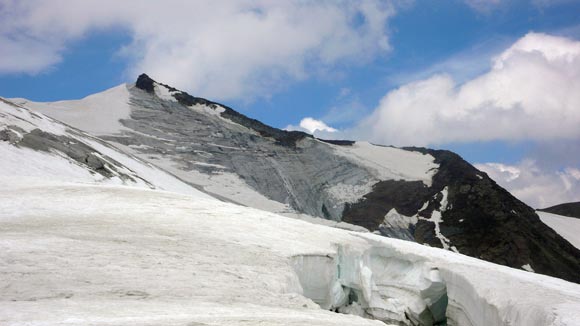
(110, 255)
(98, 114)
(567, 227)
(33, 145)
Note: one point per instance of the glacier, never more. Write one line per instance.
(110, 254)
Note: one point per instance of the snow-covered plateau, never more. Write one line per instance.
(80, 254)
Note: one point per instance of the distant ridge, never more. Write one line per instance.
(566, 209)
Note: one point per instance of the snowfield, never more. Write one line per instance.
(78, 254)
(98, 113)
(567, 227)
(390, 163)
(45, 162)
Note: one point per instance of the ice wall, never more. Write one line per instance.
(374, 283)
(402, 287)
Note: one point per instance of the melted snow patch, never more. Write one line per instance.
(528, 268)
(394, 219)
(437, 218)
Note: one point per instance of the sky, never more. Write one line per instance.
(497, 81)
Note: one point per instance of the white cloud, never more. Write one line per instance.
(219, 49)
(529, 93)
(534, 186)
(311, 126)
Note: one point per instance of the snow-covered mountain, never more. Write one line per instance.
(567, 227)
(137, 220)
(430, 196)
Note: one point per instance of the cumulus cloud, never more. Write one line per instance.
(312, 126)
(220, 49)
(534, 186)
(529, 93)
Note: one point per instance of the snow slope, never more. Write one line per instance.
(98, 113)
(567, 227)
(34, 145)
(108, 255)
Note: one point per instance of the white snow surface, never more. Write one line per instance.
(567, 227)
(98, 114)
(113, 255)
(24, 162)
(163, 92)
(210, 111)
(14, 115)
(389, 163)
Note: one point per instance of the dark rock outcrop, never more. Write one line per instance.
(566, 209)
(77, 151)
(282, 137)
(145, 83)
(338, 142)
(481, 220)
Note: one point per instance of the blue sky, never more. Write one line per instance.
(351, 65)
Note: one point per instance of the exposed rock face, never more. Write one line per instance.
(481, 219)
(285, 167)
(282, 137)
(486, 221)
(242, 160)
(75, 150)
(566, 209)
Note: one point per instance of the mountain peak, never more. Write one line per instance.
(282, 137)
(145, 83)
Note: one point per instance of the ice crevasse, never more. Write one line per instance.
(374, 283)
(401, 288)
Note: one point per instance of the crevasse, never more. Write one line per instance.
(376, 284)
